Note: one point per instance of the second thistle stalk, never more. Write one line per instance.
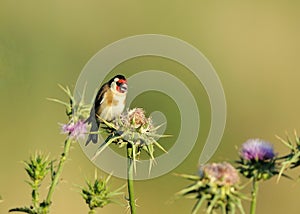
(130, 179)
(58, 172)
(254, 196)
(137, 132)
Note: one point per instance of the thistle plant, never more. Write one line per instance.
(137, 132)
(217, 184)
(96, 194)
(37, 169)
(75, 128)
(39, 166)
(257, 162)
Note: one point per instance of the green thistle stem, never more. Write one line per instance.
(130, 179)
(92, 211)
(35, 195)
(254, 196)
(58, 172)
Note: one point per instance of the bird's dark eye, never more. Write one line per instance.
(119, 83)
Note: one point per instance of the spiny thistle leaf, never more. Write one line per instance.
(291, 160)
(23, 209)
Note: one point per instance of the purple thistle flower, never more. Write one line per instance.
(256, 149)
(75, 130)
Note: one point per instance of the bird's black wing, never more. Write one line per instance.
(93, 119)
(99, 98)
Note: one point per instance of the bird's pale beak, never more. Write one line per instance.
(123, 87)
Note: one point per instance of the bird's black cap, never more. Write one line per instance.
(119, 76)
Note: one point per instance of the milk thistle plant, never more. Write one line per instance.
(257, 162)
(217, 185)
(137, 133)
(39, 166)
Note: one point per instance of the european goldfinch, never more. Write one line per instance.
(109, 103)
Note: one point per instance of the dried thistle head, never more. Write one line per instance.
(221, 174)
(137, 118)
(133, 120)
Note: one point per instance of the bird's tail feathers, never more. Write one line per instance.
(94, 128)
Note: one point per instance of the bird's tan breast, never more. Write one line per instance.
(112, 106)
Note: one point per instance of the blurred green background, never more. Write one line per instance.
(253, 45)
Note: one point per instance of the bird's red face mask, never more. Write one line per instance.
(121, 86)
